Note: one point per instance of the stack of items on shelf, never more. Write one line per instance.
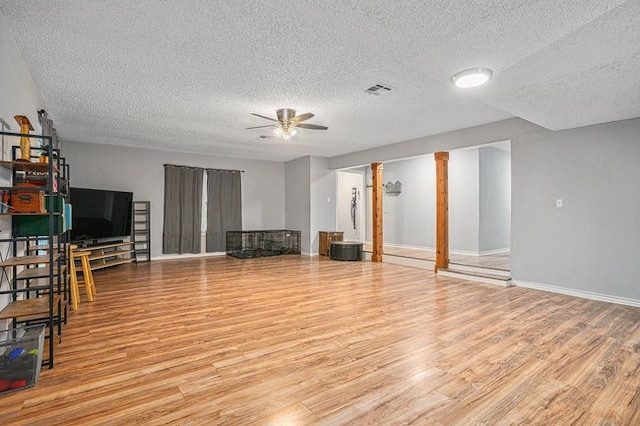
(33, 273)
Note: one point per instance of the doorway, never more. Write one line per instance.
(479, 207)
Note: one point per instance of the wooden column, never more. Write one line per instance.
(442, 210)
(376, 195)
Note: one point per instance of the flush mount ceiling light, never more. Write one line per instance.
(472, 77)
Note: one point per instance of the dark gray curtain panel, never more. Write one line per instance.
(182, 209)
(224, 207)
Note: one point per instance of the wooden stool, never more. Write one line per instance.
(87, 276)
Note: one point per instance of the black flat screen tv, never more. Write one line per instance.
(99, 215)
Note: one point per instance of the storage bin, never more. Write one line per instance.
(28, 201)
(20, 357)
(346, 250)
(31, 226)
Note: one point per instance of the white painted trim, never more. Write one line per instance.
(578, 293)
(498, 251)
(500, 143)
(187, 255)
(464, 252)
(487, 280)
(463, 269)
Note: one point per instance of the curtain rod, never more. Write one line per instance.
(204, 168)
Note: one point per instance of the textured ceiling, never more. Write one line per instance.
(185, 74)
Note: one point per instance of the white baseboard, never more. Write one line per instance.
(480, 253)
(497, 251)
(578, 293)
(464, 252)
(187, 255)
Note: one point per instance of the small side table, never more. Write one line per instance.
(326, 238)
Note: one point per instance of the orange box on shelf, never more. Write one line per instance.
(27, 201)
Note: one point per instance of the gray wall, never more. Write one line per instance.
(495, 199)
(141, 171)
(310, 199)
(409, 217)
(592, 243)
(18, 93)
(346, 181)
(590, 246)
(18, 96)
(322, 200)
(298, 199)
(479, 201)
(464, 221)
(478, 135)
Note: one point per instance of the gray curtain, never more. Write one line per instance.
(182, 209)
(224, 208)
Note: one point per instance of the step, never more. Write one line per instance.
(478, 274)
(483, 270)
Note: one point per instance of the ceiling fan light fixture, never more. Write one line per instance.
(287, 121)
(472, 77)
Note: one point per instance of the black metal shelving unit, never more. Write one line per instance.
(141, 230)
(34, 275)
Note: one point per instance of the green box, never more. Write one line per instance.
(58, 203)
(38, 225)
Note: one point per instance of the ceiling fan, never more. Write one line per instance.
(288, 121)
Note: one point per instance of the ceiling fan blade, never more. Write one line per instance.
(263, 116)
(309, 126)
(260, 127)
(302, 117)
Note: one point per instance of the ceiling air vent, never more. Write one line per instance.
(377, 89)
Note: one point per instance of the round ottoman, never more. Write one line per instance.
(345, 250)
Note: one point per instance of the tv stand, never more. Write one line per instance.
(106, 254)
(99, 243)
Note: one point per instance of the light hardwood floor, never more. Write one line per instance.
(295, 340)
(500, 261)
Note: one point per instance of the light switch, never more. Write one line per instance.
(559, 203)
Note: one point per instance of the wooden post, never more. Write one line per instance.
(442, 210)
(376, 195)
